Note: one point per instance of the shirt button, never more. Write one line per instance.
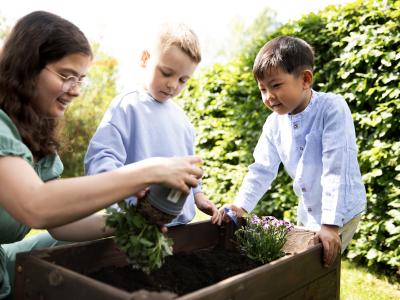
(309, 209)
(303, 190)
(301, 148)
(295, 126)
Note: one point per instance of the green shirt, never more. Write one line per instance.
(49, 167)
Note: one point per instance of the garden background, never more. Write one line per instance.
(357, 56)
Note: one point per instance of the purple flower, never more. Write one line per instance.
(263, 237)
(255, 220)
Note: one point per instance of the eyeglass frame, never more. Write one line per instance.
(74, 83)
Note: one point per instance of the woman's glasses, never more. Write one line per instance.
(68, 82)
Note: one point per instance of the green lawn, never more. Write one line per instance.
(358, 284)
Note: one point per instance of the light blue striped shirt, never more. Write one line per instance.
(136, 127)
(318, 150)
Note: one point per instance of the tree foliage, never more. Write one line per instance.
(357, 56)
(86, 111)
(3, 29)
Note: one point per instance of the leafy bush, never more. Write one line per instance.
(86, 112)
(357, 56)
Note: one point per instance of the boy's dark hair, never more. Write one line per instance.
(290, 54)
(37, 39)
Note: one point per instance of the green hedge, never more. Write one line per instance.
(86, 111)
(357, 56)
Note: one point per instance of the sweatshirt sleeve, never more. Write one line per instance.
(107, 148)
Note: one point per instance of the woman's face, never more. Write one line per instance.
(50, 99)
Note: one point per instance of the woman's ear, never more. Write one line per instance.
(144, 58)
(307, 78)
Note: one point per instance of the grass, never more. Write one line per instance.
(356, 283)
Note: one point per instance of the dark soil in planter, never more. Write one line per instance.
(182, 273)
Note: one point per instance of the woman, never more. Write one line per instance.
(42, 65)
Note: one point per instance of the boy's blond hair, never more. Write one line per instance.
(181, 36)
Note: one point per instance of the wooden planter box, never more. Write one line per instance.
(57, 273)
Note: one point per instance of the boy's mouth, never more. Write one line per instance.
(166, 94)
(275, 105)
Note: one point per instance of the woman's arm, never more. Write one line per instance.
(44, 205)
(90, 228)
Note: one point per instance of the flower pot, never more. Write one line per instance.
(61, 272)
(161, 204)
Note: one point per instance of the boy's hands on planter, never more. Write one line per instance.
(238, 211)
(208, 207)
(330, 239)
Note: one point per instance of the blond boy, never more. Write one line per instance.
(146, 122)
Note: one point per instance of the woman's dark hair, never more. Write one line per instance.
(291, 54)
(36, 40)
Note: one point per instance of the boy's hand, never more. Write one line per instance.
(237, 210)
(208, 207)
(329, 237)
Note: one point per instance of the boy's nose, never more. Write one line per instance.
(172, 84)
(266, 97)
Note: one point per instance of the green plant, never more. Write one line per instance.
(262, 238)
(144, 244)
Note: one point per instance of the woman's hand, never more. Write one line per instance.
(177, 172)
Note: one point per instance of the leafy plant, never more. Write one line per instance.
(144, 244)
(263, 239)
(85, 112)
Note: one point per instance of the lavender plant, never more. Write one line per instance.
(262, 239)
(143, 242)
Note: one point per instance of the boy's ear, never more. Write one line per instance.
(143, 59)
(307, 78)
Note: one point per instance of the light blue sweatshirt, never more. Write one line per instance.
(318, 150)
(136, 127)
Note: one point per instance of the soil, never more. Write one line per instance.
(181, 273)
(153, 214)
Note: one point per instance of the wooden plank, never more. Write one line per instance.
(298, 240)
(195, 236)
(272, 281)
(300, 274)
(40, 280)
(324, 287)
(84, 257)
